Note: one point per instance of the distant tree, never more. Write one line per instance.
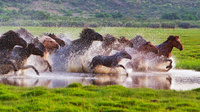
(171, 16)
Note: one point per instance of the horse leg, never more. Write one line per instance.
(48, 66)
(170, 65)
(123, 68)
(30, 66)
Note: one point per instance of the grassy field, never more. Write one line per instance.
(189, 58)
(78, 98)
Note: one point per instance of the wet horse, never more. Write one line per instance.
(20, 55)
(29, 38)
(109, 61)
(166, 47)
(58, 40)
(7, 42)
(77, 47)
(108, 44)
(124, 42)
(139, 57)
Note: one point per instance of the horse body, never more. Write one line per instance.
(30, 38)
(166, 47)
(75, 50)
(124, 42)
(20, 55)
(109, 61)
(7, 42)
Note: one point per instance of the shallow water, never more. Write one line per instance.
(174, 79)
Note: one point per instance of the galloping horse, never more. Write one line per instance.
(139, 59)
(124, 42)
(58, 40)
(20, 55)
(109, 61)
(109, 43)
(76, 48)
(7, 42)
(166, 47)
(30, 38)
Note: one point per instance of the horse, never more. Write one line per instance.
(138, 41)
(20, 55)
(58, 40)
(108, 44)
(29, 38)
(166, 47)
(124, 42)
(109, 61)
(7, 42)
(139, 57)
(77, 47)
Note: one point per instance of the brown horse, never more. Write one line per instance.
(124, 42)
(29, 38)
(137, 62)
(7, 42)
(58, 40)
(109, 43)
(166, 47)
(20, 55)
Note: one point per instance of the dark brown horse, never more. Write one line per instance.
(30, 38)
(20, 55)
(166, 47)
(124, 42)
(109, 61)
(7, 42)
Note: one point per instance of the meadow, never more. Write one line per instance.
(78, 98)
(189, 58)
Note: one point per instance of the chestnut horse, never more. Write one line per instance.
(7, 42)
(166, 47)
(58, 40)
(20, 55)
(124, 42)
(139, 57)
(109, 43)
(30, 38)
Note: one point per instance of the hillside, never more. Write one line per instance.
(114, 9)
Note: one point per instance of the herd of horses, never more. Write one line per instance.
(20, 50)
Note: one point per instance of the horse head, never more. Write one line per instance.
(35, 50)
(148, 47)
(125, 42)
(90, 34)
(175, 42)
(58, 40)
(124, 54)
(13, 39)
(50, 43)
(110, 41)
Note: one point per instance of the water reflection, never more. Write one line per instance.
(176, 80)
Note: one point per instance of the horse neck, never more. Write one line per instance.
(4, 44)
(165, 49)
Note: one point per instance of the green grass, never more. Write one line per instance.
(189, 58)
(94, 98)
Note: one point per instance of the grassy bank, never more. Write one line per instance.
(93, 98)
(189, 58)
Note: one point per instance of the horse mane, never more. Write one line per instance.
(171, 37)
(86, 33)
(10, 34)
